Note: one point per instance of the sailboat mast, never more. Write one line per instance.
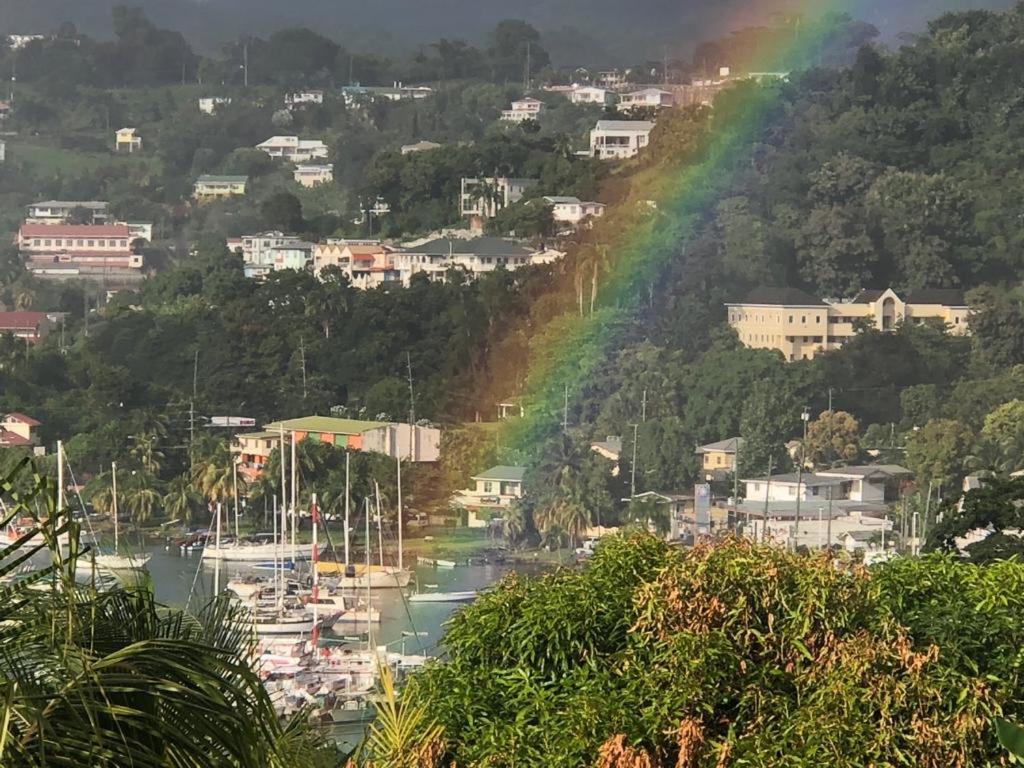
(369, 604)
(216, 560)
(60, 493)
(113, 491)
(347, 457)
(295, 497)
(316, 579)
(284, 491)
(277, 553)
(398, 463)
(380, 526)
(234, 493)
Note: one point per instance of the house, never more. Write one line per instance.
(680, 507)
(127, 140)
(313, 175)
(407, 442)
(854, 529)
(473, 256)
(354, 95)
(611, 78)
(869, 482)
(17, 429)
(292, 255)
(654, 98)
(209, 187)
(610, 447)
(419, 146)
(5, 109)
(208, 105)
(304, 98)
(17, 42)
(293, 149)
(483, 198)
(587, 94)
(493, 491)
(59, 211)
(718, 459)
(802, 326)
(260, 251)
(573, 211)
(788, 487)
(366, 263)
(618, 139)
(71, 250)
(30, 326)
(523, 109)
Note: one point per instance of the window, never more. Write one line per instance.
(718, 460)
(46, 242)
(803, 319)
(91, 243)
(791, 318)
(488, 486)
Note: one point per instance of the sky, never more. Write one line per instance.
(625, 30)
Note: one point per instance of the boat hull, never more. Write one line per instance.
(254, 553)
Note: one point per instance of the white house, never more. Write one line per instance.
(494, 491)
(209, 104)
(313, 175)
(472, 256)
(871, 482)
(588, 94)
(611, 78)
(647, 97)
(788, 487)
(852, 529)
(260, 252)
(524, 109)
(571, 210)
(485, 197)
(302, 98)
(293, 149)
(618, 139)
(354, 94)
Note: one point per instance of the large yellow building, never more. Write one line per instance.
(801, 325)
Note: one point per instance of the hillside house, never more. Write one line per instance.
(718, 459)
(18, 430)
(366, 263)
(209, 105)
(313, 175)
(802, 326)
(49, 249)
(587, 94)
(572, 210)
(523, 109)
(304, 98)
(293, 149)
(59, 211)
(209, 187)
(419, 146)
(483, 198)
(127, 140)
(472, 256)
(493, 492)
(654, 98)
(31, 327)
(869, 482)
(619, 139)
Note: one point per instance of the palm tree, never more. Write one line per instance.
(115, 676)
(573, 517)
(142, 499)
(213, 475)
(514, 522)
(146, 452)
(986, 459)
(181, 501)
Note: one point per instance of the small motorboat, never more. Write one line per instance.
(443, 597)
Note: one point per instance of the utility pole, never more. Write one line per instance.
(828, 524)
(736, 483)
(643, 406)
(412, 406)
(245, 62)
(632, 469)
(805, 417)
(302, 357)
(767, 494)
(526, 78)
(664, 65)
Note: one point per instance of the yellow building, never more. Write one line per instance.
(214, 187)
(127, 140)
(801, 326)
(718, 459)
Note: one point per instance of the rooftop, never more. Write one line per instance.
(867, 470)
(556, 200)
(328, 424)
(501, 472)
(21, 418)
(728, 445)
(96, 205)
(624, 125)
(74, 230)
(790, 478)
(791, 297)
(208, 178)
(948, 297)
(479, 246)
(21, 320)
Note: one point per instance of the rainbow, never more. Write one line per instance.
(637, 241)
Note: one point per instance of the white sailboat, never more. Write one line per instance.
(115, 562)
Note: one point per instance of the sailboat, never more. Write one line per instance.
(349, 575)
(116, 561)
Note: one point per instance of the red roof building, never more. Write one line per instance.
(17, 429)
(31, 326)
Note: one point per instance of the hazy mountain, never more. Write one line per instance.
(584, 30)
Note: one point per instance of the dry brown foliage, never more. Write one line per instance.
(616, 753)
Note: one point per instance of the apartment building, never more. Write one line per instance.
(92, 246)
(366, 263)
(802, 326)
(261, 252)
(619, 139)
